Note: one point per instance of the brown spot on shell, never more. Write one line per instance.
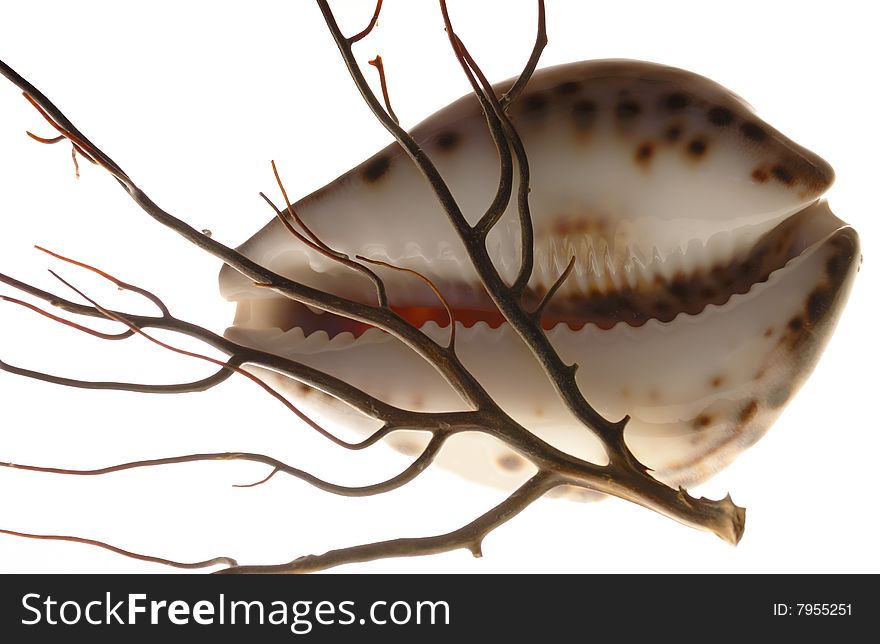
(697, 148)
(768, 332)
(510, 462)
(627, 109)
(448, 140)
(796, 323)
(834, 265)
(676, 101)
(584, 113)
(753, 131)
(783, 174)
(376, 168)
(818, 303)
(534, 103)
(748, 412)
(702, 421)
(644, 153)
(720, 116)
(760, 175)
(717, 381)
(567, 88)
(673, 133)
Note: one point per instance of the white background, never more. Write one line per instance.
(194, 99)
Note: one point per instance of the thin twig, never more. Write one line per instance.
(320, 247)
(377, 63)
(168, 388)
(216, 561)
(61, 320)
(540, 42)
(290, 211)
(125, 286)
(414, 469)
(369, 28)
(449, 311)
(539, 310)
(40, 139)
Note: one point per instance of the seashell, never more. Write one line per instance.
(709, 272)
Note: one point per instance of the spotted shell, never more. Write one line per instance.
(709, 273)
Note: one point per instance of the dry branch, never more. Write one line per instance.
(623, 476)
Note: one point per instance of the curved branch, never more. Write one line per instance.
(410, 473)
(176, 388)
(369, 28)
(469, 537)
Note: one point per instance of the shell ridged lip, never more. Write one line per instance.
(662, 299)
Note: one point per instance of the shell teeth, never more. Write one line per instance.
(630, 270)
